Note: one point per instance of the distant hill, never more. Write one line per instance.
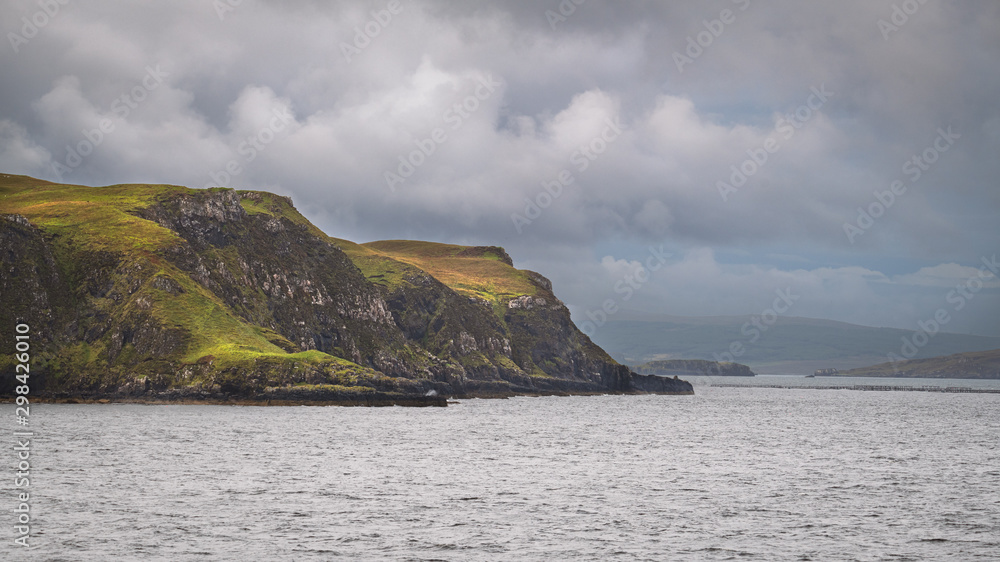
(974, 365)
(693, 368)
(790, 346)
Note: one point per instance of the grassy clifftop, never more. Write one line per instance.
(93, 218)
(157, 289)
(484, 272)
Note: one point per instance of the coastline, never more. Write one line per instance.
(369, 400)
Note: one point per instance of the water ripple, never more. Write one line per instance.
(729, 474)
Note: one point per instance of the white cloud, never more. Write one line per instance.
(948, 275)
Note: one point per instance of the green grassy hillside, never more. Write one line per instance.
(85, 225)
(482, 272)
(140, 289)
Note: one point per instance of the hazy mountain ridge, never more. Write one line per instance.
(165, 292)
(791, 345)
(972, 365)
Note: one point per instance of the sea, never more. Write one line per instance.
(752, 473)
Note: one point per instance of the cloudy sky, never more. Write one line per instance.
(679, 159)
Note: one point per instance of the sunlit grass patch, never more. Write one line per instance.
(482, 274)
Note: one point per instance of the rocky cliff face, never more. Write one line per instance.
(156, 292)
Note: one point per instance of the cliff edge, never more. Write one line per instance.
(164, 293)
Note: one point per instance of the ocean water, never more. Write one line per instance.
(727, 474)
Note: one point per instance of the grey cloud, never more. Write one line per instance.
(656, 181)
